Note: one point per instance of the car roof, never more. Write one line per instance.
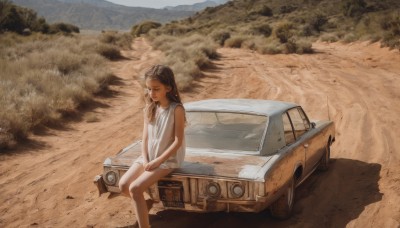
(250, 106)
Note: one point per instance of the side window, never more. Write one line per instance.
(305, 119)
(287, 128)
(299, 121)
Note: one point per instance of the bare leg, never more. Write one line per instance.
(133, 172)
(136, 189)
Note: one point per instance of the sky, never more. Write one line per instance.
(155, 3)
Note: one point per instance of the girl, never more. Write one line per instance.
(163, 144)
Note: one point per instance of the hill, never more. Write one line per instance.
(286, 22)
(98, 14)
(197, 6)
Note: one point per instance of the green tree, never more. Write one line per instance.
(10, 19)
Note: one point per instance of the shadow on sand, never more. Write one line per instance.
(326, 199)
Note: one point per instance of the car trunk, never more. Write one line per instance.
(204, 162)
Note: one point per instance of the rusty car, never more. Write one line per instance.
(242, 155)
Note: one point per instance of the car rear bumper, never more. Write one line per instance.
(99, 182)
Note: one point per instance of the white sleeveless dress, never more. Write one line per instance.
(161, 134)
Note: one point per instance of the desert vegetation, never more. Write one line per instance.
(48, 72)
(187, 56)
(44, 77)
(274, 26)
(22, 20)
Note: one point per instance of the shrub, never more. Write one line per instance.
(63, 28)
(235, 41)
(42, 79)
(263, 29)
(109, 51)
(220, 36)
(270, 47)
(144, 28)
(329, 37)
(284, 32)
(176, 29)
(317, 21)
(122, 40)
(354, 8)
(304, 47)
(350, 37)
(290, 46)
(287, 9)
(186, 55)
(17, 19)
(264, 10)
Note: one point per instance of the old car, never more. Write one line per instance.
(242, 155)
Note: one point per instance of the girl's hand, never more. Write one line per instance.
(152, 165)
(145, 163)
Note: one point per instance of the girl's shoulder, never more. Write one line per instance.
(173, 105)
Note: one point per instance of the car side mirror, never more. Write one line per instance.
(313, 124)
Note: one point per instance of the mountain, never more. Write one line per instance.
(197, 6)
(99, 14)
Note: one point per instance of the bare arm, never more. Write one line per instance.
(179, 126)
(144, 142)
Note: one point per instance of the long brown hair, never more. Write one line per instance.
(164, 75)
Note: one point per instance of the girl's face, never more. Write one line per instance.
(157, 91)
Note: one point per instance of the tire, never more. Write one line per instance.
(324, 163)
(282, 208)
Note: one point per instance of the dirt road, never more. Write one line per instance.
(48, 182)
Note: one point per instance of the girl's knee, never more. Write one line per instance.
(123, 185)
(136, 190)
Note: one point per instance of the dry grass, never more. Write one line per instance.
(329, 37)
(236, 41)
(121, 40)
(41, 79)
(237, 23)
(186, 56)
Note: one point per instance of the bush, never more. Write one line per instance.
(43, 79)
(287, 9)
(109, 51)
(122, 40)
(235, 41)
(176, 29)
(264, 11)
(284, 32)
(350, 37)
(270, 47)
(329, 37)
(16, 19)
(63, 28)
(317, 21)
(220, 36)
(263, 29)
(144, 28)
(304, 47)
(186, 55)
(354, 8)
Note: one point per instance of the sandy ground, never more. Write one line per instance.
(48, 181)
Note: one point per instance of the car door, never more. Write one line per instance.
(302, 135)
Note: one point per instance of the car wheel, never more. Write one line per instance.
(324, 163)
(282, 207)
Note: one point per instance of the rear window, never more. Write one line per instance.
(225, 131)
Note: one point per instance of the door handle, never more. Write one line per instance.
(305, 145)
